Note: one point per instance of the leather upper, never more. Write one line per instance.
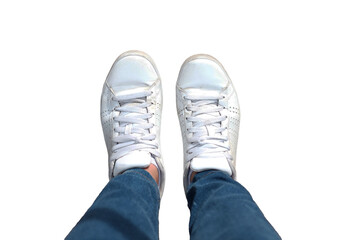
(203, 75)
(132, 72)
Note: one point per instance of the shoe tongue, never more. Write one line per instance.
(209, 161)
(135, 159)
(131, 115)
(209, 130)
(133, 103)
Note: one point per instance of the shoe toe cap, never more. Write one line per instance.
(132, 70)
(202, 72)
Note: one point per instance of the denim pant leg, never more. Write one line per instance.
(223, 209)
(127, 208)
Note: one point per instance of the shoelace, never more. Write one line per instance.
(206, 131)
(134, 127)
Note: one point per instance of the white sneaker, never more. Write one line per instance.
(131, 104)
(209, 116)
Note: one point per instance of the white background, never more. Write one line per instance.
(281, 55)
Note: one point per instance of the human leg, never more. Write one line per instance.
(131, 103)
(221, 208)
(209, 116)
(127, 208)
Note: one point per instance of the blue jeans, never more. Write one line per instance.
(128, 208)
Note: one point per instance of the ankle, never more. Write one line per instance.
(153, 170)
(192, 175)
